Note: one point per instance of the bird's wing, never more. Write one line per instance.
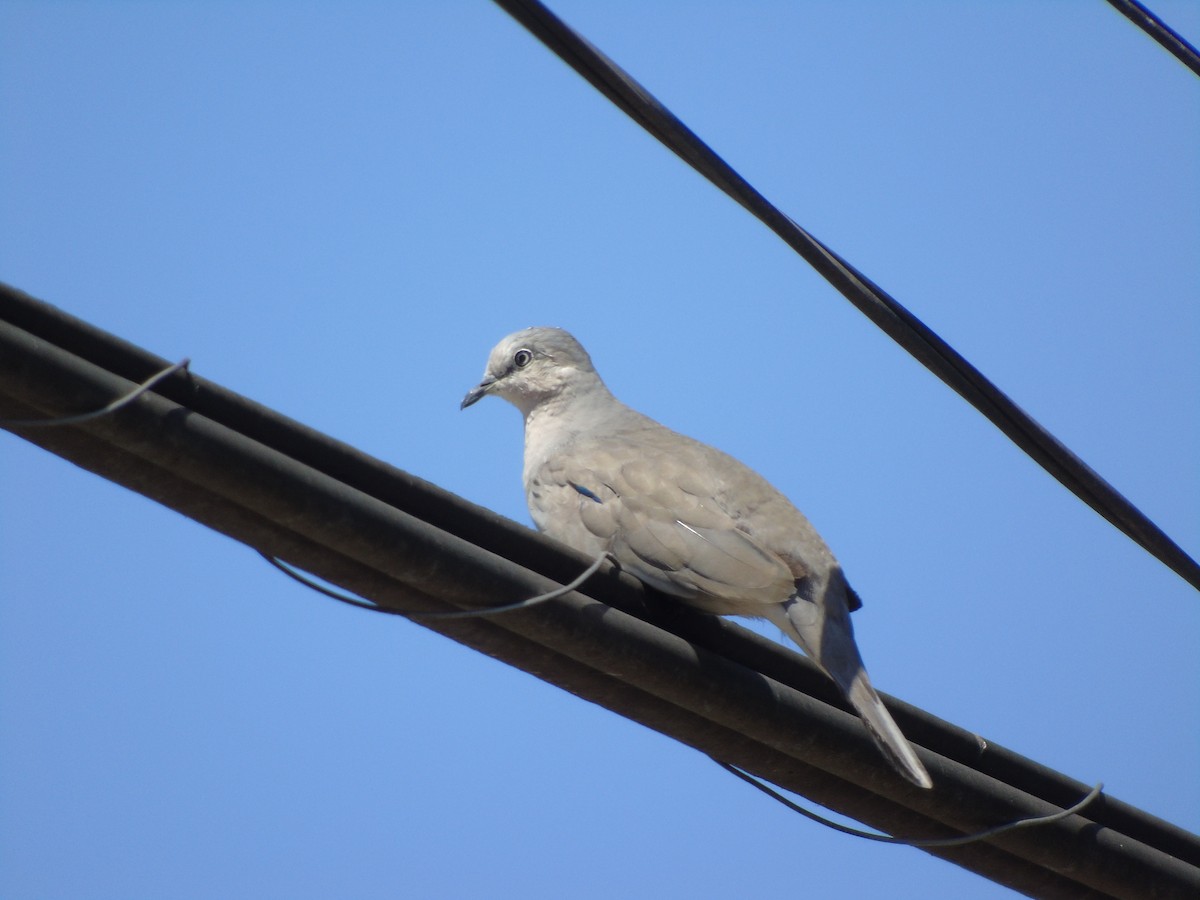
(659, 514)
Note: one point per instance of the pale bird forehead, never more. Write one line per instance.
(552, 343)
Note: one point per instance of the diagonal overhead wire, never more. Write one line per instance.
(882, 309)
(1170, 39)
(382, 534)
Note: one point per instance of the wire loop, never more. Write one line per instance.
(122, 401)
(587, 573)
(958, 841)
(295, 574)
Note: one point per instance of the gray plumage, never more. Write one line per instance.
(679, 515)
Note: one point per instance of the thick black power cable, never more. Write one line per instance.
(370, 529)
(900, 324)
(1171, 40)
(956, 841)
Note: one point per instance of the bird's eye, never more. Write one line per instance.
(522, 358)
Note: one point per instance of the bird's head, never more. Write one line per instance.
(533, 365)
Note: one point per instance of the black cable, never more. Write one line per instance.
(524, 603)
(381, 533)
(893, 318)
(923, 843)
(106, 410)
(1160, 31)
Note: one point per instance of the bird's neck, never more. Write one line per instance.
(555, 422)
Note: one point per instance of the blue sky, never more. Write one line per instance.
(337, 209)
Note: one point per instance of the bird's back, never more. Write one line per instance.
(684, 516)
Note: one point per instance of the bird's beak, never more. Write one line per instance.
(478, 392)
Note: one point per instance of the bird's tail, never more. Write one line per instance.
(883, 728)
(829, 641)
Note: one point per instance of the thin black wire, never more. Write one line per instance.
(958, 841)
(248, 423)
(295, 574)
(888, 314)
(1170, 39)
(109, 409)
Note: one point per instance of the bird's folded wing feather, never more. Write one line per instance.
(660, 517)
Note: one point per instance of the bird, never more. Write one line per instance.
(679, 515)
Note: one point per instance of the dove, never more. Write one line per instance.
(682, 517)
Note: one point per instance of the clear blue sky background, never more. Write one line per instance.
(337, 209)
